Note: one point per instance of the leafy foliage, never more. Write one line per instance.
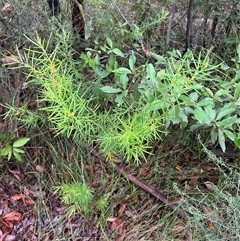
(14, 149)
(77, 196)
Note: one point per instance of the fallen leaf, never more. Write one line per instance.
(13, 216)
(117, 224)
(6, 6)
(10, 238)
(26, 199)
(144, 171)
(41, 169)
(179, 168)
(211, 226)
(209, 185)
(10, 59)
(3, 236)
(213, 215)
(178, 227)
(193, 181)
(122, 209)
(208, 166)
(16, 174)
(9, 218)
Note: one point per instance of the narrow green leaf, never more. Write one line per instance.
(210, 112)
(221, 139)
(214, 135)
(123, 81)
(88, 29)
(110, 90)
(18, 150)
(118, 52)
(237, 142)
(110, 43)
(206, 102)
(151, 73)
(202, 116)
(132, 61)
(229, 134)
(21, 142)
(6, 149)
(227, 122)
(122, 70)
(17, 156)
(224, 112)
(237, 91)
(174, 114)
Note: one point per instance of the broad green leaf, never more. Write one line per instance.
(17, 156)
(194, 96)
(238, 50)
(214, 135)
(118, 52)
(10, 154)
(183, 116)
(224, 112)
(229, 134)
(224, 66)
(209, 91)
(202, 116)
(110, 90)
(132, 61)
(111, 60)
(18, 150)
(122, 70)
(237, 91)
(123, 80)
(88, 29)
(237, 142)
(222, 92)
(197, 126)
(174, 114)
(120, 98)
(6, 149)
(221, 139)
(151, 73)
(21, 142)
(206, 102)
(227, 122)
(156, 105)
(110, 43)
(210, 112)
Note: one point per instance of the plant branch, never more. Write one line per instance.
(154, 192)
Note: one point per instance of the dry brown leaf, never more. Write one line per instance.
(213, 215)
(211, 226)
(122, 209)
(41, 169)
(209, 185)
(10, 59)
(193, 181)
(16, 174)
(24, 196)
(179, 227)
(208, 166)
(6, 6)
(9, 218)
(3, 236)
(120, 237)
(144, 171)
(10, 238)
(117, 224)
(179, 168)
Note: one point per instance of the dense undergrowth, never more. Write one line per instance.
(157, 115)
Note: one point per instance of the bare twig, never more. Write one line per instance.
(155, 192)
